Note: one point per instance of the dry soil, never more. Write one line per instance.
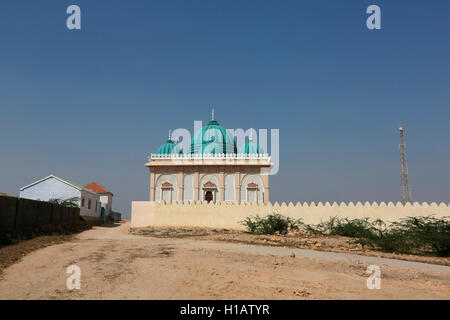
(116, 264)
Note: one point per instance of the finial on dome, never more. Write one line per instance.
(170, 134)
(212, 114)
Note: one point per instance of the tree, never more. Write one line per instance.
(70, 202)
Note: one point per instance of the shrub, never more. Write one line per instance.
(71, 202)
(425, 232)
(386, 239)
(407, 235)
(270, 224)
(343, 227)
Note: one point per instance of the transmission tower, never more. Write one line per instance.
(406, 192)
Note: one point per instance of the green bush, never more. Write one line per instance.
(343, 227)
(408, 235)
(271, 224)
(386, 239)
(70, 202)
(426, 232)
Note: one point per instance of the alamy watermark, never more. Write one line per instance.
(73, 22)
(374, 280)
(74, 280)
(183, 138)
(374, 20)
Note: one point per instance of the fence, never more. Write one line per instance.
(22, 216)
(228, 215)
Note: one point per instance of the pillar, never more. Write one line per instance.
(265, 179)
(153, 178)
(180, 182)
(237, 185)
(222, 184)
(196, 184)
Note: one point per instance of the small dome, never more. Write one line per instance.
(213, 139)
(251, 148)
(170, 147)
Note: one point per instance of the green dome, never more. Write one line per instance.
(169, 148)
(212, 139)
(251, 148)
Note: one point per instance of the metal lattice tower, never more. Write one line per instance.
(406, 192)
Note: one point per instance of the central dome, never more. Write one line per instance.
(213, 139)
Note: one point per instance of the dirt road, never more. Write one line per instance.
(117, 265)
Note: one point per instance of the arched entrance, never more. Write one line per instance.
(166, 188)
(252, 189)
(166, 192)
(252, 193)
(208, 196)
(209, 192)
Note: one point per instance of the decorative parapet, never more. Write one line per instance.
(315, 205)
(221, 156)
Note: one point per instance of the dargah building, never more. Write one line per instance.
(213, 170)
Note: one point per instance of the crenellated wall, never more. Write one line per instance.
(228, 215)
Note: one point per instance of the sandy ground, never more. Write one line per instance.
(118, 265)
(294, 239)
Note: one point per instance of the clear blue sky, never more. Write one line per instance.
(93, 104)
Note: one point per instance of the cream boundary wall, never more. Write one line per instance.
(228, 215)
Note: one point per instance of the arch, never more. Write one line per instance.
(163, 182)
(208, 182)
(255, 182)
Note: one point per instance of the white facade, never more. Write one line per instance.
(90, 204)
(52, 187)
(246, 186)
(106, 202)
(105, 198)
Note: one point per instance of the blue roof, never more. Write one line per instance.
(169, 147)
(213, 139)
(251, 148)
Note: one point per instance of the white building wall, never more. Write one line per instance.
(95, 209)
(53, 188)
(50, 188)
(110, 198)
(230, 190)
(188, 193)
(106, 202)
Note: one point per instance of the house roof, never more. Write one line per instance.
(74, 185)
(97, 187)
